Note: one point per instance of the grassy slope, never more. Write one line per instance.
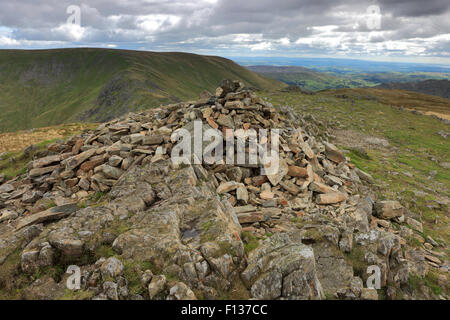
(19, 140)
(399, 98)
(410, 170)
(13, 159)
(47, 87)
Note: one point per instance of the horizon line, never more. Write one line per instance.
(227, 56)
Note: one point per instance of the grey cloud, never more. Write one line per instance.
(204, 26)
(415, 8)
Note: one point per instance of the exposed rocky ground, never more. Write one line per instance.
(140, 227)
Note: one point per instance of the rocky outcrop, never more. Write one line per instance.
(283, 267)
(141, 226)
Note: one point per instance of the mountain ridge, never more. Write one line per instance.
(49, 87)
(433, 87)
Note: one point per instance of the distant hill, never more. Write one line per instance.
(48, 87)
(340, 66)
(316, 79)
(424, 103)
(307, 79)
(439, 88)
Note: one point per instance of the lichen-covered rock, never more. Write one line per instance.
(416, 225)
(189, 215)
(44, 288)
(51, 214)
(369, 294)
(12, 240)
(110, 290)
(6, 188)
(333, 271)
(38, 257)
(114, 192)
(387, 243)
(416, 262)
(112, 267)
(70, 247)
(156, 286)
(346, 242)
(282, 267)
(181, 291)
(7, 214)
(389, 209)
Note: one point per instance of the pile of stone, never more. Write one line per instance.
(69, 171)
(193, 221)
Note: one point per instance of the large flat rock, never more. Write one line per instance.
(51, 214)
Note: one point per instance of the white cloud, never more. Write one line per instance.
(8, 42)
(284, 41)
(247, 37)
(261, 46)
(157, 22)
(71, 31)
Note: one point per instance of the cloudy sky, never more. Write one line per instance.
(401, 30)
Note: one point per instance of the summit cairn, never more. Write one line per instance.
(201, 229)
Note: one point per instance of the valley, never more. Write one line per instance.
(324, 78)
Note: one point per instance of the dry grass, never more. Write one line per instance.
(437, 114)
(16, 141)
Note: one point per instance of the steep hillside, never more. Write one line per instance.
(439, 88)
(47, 87)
